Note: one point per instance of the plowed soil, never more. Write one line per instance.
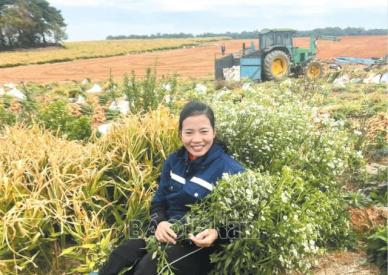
(196, 62)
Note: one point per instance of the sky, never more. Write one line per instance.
(96, 19)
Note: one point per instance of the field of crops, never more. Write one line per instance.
(93, 49)
(191, 62)
(79, 162)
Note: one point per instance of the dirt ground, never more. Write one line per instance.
(196, 62)
(353, 262)
(337, 263)
(365, 219)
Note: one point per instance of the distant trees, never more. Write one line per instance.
(152, 36)
(342, 32)
(29, 23)
(254, 34)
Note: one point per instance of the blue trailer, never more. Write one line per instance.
(249, 63)
(250, 66)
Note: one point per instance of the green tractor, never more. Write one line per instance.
(276, 58)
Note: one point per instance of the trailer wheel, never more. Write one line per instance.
(314, 70)
(276, 65)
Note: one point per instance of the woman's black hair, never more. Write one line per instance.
(195, 108)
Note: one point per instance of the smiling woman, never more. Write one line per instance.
(197, 133)
(188, 176)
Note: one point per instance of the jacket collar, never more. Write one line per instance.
(214, 152)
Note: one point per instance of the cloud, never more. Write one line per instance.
(75, 3)
(120, 4)
(198, 16)
(220, 5)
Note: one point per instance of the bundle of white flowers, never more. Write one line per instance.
(272, 223)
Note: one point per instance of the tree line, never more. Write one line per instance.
(29, 23)
(336, 31)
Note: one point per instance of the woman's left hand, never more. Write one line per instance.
(205, 238)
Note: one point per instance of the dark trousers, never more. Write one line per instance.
(133, 253)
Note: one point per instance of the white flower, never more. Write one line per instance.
(200, 88)
(246, 86)
(122, 106)
(167, 87)
(85, 81)
(168, 99)
(294, 252)
(284, 197)
(15, 93)
(80, 100)
(104, 128)
(10, 85)
(95, 89)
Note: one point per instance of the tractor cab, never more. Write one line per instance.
(277, 47)
(271, 39)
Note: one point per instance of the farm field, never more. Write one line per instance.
(188, 63)
(92, 49)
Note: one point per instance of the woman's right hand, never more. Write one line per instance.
(164, 233)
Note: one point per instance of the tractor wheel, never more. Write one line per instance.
(276, 65)
(314, 70)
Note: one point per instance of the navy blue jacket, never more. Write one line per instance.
(184, 182)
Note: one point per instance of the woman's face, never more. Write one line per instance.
(197, 135)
